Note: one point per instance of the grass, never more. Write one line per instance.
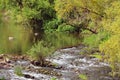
(53, 78)
(94, 40)
(18, 70)
(96, 55)
(83, 77)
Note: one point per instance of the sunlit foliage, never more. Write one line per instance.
(111, 23)
(80, 13)
(26, 8)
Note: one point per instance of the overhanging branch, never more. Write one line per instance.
(93, 31)
(88, 10)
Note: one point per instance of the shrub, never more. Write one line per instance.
(40, 50)
(94, 40)
(18, 70)
(111, 50)
(52, 25)
(65, 28)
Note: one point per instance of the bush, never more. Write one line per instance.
(18, 70)
(40, 50)
(111, 50)
(65, 28)
(94, 40)
(51, 26)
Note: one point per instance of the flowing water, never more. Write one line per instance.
(69, 65)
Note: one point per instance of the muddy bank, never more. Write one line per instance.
(69, 65)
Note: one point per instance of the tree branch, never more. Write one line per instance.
(91, 11)
(93, 31)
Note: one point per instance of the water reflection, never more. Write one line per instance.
(17, 39)
(62, 40)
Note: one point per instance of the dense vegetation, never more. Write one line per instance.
(23, 23)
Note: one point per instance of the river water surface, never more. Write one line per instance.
(69, 65)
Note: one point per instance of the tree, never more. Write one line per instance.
(111, 47)
(32, 13)
(80, 13)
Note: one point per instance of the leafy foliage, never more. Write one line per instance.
(51, 26)
(111, 47)
(80, 13)
(27, 8)
(112, 51)
(40, 50)
(29, 12)
(94, 40)
(65, 28)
